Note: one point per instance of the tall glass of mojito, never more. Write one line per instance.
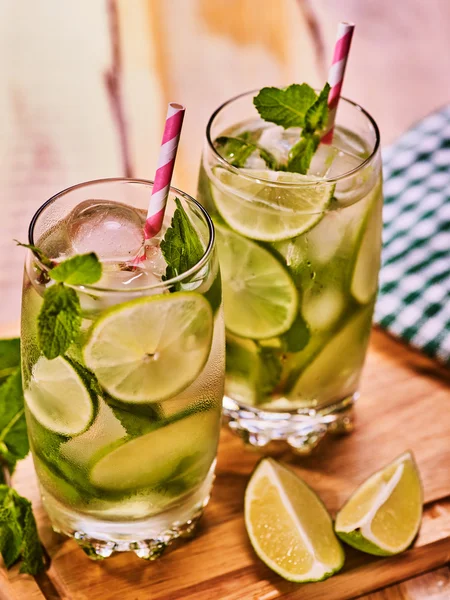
(123, 365)
(299, 238)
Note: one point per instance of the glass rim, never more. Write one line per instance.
(285, 184)
(132, 291)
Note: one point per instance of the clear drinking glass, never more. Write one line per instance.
(124, 426)
(300, 256)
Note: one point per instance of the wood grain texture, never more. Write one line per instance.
(403, 405)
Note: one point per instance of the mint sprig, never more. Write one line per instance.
(82, 269)
(181, 246)
(59, 319)
(13, 431)
(18, 533)
(9, 357)
(295, 106)
(285, 106)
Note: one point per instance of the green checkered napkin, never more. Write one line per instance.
(414, 298)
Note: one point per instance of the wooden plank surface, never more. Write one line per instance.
(84, 91)
(404, 405)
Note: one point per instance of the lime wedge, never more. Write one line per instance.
(58, 398)
(151, 348)
(260, 299)
(289, 527)
(254, 207)
(383, 516)
(180, 453)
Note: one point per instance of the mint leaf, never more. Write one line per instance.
(45, 260)
(301, 154)
(317, 115)
(13, 430)
(286, 107)
(296, 106)
(83, 269)
(181, 246)
(270, 371)
(59, 320)
(9, 357)
(252, 137)
(298, 336)
(18, 532)
(316, 118)
(10, 530)
(32, 556)
(214, 293)
(236, 151)
(269, 159)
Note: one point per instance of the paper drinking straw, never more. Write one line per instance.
(336, 74)
(163, 176)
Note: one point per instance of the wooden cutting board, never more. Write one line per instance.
(405, 404)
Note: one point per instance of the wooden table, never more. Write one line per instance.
(404, 405)
(85, 85)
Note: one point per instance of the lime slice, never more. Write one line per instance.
(151, 348)
(260, 299)
(258, 209)
(334, 372)
(58, 398)
(367, 265)
(252, 371)
(289, 527)
(383, 516)
(182, 451)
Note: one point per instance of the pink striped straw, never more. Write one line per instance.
(163, 176)
(336, 74)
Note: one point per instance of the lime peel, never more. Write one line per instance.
(359, 533)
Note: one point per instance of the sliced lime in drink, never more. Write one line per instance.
(252, 371)
(289, 527)
(151, 348)
(383, 516)
(367, 264)
(256, 204)
(260, 299)
(322, 306)
(58, 397)
(334, 372)
(184, 448)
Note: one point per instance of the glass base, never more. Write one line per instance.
(301, 429)
(147, 538)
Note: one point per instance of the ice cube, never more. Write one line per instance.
(343, 163)
(110, 229)
(323, 160)
(105, 430)
(279, 141)
(127, 276)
